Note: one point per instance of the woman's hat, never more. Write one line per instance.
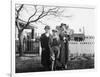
(66, 26)
(47, 27)
(62, 24)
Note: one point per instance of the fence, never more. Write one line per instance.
(75, 47)
(29, 47)
(83, 47)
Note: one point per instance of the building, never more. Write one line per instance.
(29, 30)
(77, 37)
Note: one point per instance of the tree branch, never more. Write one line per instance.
(20, 8)
(49, 11)
(42, 22)
(33, 14)
(17, 17)
(43, 14)
(16, 23)
(40, 14)
(21, 20)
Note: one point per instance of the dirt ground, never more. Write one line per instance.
(33, 64)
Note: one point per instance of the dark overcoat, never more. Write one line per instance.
(45, 56)
(64, 52)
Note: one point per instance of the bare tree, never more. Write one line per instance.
(35, 17)
(18, 27)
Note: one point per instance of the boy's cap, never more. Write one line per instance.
(54, 30)
(47, 27)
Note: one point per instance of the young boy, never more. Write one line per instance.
(55, 47)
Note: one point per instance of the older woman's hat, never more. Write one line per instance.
(62, 24)
(66, 26)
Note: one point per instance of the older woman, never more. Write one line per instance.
(45, 56)
(64, 45)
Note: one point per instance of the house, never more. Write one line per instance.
(77, 37)
(30, 29)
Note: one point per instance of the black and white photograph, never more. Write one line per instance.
(53, 38)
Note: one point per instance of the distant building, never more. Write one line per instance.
(77, 37)
(30, 28)
(89, 39)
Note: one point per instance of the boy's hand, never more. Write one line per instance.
(53, 58)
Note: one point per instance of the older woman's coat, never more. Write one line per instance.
(64, 49)
(45, 56)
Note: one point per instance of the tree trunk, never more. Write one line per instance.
(32, 35)
(20, 44)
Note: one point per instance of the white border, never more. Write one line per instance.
(31, 74)
(13, 38)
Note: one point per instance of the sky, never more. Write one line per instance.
(80, 17)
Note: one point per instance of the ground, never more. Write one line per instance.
(33, 63)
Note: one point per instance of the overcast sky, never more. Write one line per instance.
(79, 17)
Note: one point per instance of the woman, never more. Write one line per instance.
(45, 56)
(55, 49)
(64, 45)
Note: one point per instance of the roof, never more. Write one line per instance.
(78, 35)
(31, 26)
